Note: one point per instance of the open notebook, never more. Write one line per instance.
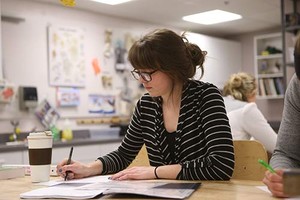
(94, 186)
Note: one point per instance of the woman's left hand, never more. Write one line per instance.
(135, 173)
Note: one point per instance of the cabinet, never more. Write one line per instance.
(12, 157)
(269, 67)
(82, 153)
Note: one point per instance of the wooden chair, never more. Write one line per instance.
(247, 153)
(246, 167)
(141, 159)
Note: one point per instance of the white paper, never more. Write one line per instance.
(90, 187)
(154, 189)
(61, 191)
(93, 179)
(265, 188)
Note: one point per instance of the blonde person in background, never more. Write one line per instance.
(246, 120)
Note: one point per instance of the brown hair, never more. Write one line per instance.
(164, 50)
(240, 86)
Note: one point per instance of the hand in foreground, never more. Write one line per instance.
(274, 181)
(135, 173)
(77, 170)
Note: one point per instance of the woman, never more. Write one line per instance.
(287, 151)
(182, 122)
(245, 119)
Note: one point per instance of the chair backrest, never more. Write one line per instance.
(141, 159)
(246, 154)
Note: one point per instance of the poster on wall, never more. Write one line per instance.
(66, 97)
(66, 56)
(102, 104)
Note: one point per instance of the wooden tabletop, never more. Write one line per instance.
(234, 189)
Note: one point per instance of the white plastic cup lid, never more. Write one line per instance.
(46, 134)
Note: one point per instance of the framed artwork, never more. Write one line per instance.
(66, 57)
(66, 97)
(102, 104)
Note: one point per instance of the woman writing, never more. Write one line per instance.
(182, 122)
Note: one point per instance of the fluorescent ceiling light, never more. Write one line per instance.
(212, 17)
(111, 2)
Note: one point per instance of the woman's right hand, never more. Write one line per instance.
(77, 169)
(274, 182)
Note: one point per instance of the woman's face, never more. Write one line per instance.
(160, 85)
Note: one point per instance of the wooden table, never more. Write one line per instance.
(234, 189)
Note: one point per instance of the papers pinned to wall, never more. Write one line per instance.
(66, 97)
(102, 104)
(7, 92)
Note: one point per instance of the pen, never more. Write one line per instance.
(68, 162)
(268, 167)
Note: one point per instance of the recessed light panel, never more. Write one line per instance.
(212, 17)
(111, 2)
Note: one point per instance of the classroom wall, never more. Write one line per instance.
(1, 75)
(223, 58)
(25, 58)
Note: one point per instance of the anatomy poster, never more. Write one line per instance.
(66, 57)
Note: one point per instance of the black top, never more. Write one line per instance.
(171, 141)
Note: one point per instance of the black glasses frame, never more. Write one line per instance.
(146, 76)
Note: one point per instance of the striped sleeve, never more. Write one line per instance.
(129, 148)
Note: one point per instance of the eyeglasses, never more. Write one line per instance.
(146, 76)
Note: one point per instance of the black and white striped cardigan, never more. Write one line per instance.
(203, 141)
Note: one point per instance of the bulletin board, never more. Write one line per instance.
(66, 56)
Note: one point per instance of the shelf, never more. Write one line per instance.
(271, 97)
(271, 56)
(289, 64)
(292, 29)
(12, 19)
(269, 68)
(270, 75)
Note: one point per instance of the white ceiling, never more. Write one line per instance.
(257, 15)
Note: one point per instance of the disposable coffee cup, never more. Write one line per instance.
(40, 155)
